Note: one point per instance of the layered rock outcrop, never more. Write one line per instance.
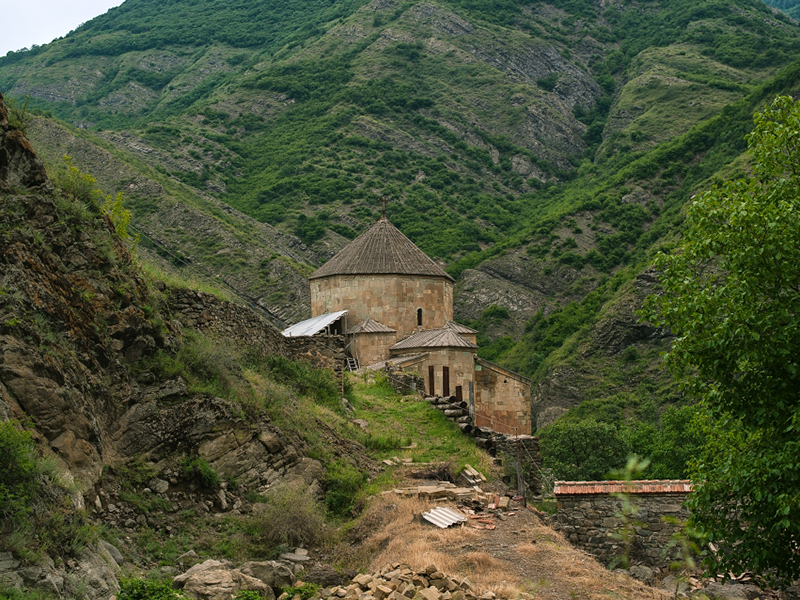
(19, 165)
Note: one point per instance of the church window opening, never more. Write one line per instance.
(419, 317)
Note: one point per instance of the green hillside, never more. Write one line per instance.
(540, 151)
(790, 7)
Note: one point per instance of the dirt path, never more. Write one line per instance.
(521, 555)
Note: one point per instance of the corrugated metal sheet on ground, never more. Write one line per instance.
(641, 486)
(313, 325)
(443, 517)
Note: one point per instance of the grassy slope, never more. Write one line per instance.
(441, 107)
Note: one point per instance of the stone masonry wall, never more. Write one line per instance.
(593, 522)
(198, 310)
(322, 351)
(392, 300)
(207, 313)
(510, 449)
(502, 400)
(372, 348)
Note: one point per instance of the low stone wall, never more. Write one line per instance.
(402, 382)
(323, 351)
(207, 313)
(512, 449)
(244, 326)
(590, 515)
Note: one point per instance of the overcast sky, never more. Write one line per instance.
(29, 22)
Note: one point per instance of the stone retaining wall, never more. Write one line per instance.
(244, 326)
(509, 448)
(323, 351)
(207, 313)
(590, 515)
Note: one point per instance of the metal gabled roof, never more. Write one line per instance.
(458, 327)
(370, 326)
(381, 249)
(641, 486)
(313, 325)
(434, 338)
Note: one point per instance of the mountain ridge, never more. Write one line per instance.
(534, 152)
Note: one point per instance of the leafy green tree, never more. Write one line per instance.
(731, 294)
(582, 449)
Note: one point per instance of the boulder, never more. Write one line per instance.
(217, 580)
(113, 551)
(274, 573)
(95, 575)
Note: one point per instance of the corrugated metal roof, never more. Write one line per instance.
(458, 327)
(433, 338)
(381, 249)
(443, 517)
(370, 326)
(313, 325)
(642, 486)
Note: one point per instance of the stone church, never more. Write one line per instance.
(393, 303)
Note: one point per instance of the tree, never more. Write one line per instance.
(582, 449)
(731, 294)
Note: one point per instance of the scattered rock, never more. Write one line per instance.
(644, 574)
(728, 591)
(114, 552)
(159, 486)
(275, 574)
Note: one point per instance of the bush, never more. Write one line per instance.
(582, 450)
(305, 591)
(291, 517)
(342, 483)
(20, 477)
(143, 589)
(36, 515)
(202, 472)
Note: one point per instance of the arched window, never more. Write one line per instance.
(419, 317)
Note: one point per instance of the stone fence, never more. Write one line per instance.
(323, 351)
(245, 327)
(590, 514)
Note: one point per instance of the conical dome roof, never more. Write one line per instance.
(381, 249)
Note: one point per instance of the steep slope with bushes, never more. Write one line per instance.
(539, 151)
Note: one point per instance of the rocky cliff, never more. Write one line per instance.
(81, 335)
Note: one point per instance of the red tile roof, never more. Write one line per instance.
(642, 486)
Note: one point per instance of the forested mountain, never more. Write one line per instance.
(790, 7)
(539, 150)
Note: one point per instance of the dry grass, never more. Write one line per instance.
(521, 556)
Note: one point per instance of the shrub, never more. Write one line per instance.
(305, 591)
(202, 472)
(342, 483)
(36, 515)
(583, 449)
(291, 517)
(143, 589)
(20, 478)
